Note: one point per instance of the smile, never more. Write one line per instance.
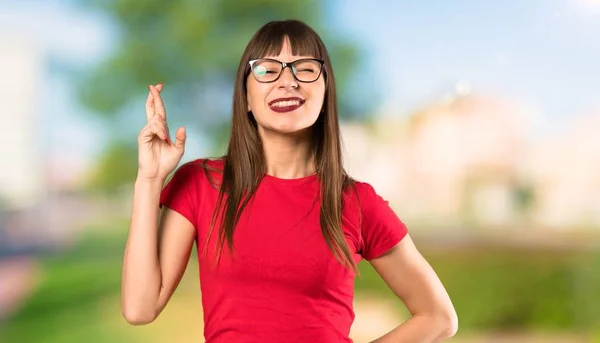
(282, 105)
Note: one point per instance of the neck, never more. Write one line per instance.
(288, 156)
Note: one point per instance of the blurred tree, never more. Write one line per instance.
(117, 165)
(194, 48)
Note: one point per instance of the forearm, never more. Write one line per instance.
(141, 274)
(420, 329)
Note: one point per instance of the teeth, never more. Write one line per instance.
(286, 103)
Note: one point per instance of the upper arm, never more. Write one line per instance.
(176, 239)
(413, 280)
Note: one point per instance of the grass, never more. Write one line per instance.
(65, 307)
(78, 297)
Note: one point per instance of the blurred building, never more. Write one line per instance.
(453, 163)
(30, 218)
(566, 172)
(470, 161)
(21, 173)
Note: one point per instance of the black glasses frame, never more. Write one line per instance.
(286, 65)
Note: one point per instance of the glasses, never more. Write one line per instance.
(304, 70)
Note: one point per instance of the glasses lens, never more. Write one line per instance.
(266, 71)
(307, 70)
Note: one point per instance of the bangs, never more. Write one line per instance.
(302, 39)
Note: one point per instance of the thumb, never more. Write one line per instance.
(180, 137)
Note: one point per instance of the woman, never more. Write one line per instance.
(279, 225)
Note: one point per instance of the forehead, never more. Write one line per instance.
(288, 53)
(287, 47)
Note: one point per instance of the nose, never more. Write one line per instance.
(287, 79)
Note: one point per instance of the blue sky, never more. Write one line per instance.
(540, 53)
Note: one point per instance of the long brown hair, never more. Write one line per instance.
(244, 163)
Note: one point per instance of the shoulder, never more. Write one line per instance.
(372, 206)
(196, 173)
(203, 163)
(364, 189)
(190, 181)
(199, 168)
(381, 228)
(361, 191)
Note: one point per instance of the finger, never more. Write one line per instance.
(154, 129)
(159, 107)
(180, 137)
(149, 107)
(162, 124)
(146, 135)
(150, 102)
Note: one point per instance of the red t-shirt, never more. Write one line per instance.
(282, 283)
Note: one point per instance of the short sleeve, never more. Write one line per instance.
(381, 227)
(180, 193)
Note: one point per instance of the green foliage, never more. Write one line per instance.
(524, 197)
(66, 307)
(514, 289)
(492, 289)
(116, 166)
(193, 47)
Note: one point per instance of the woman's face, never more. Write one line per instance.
(285, 106)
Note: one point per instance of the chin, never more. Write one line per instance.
(289, 125)
(290, 128)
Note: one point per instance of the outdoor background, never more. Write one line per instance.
(478, 120)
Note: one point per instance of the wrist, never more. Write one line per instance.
(156, 182)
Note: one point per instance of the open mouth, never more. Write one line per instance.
(282, 105)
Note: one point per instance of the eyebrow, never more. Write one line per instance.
(296, 59)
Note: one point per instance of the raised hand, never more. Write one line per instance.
(158, 155)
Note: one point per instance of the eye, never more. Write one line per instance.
(260, 71)
(307, 67)
(302, 70)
